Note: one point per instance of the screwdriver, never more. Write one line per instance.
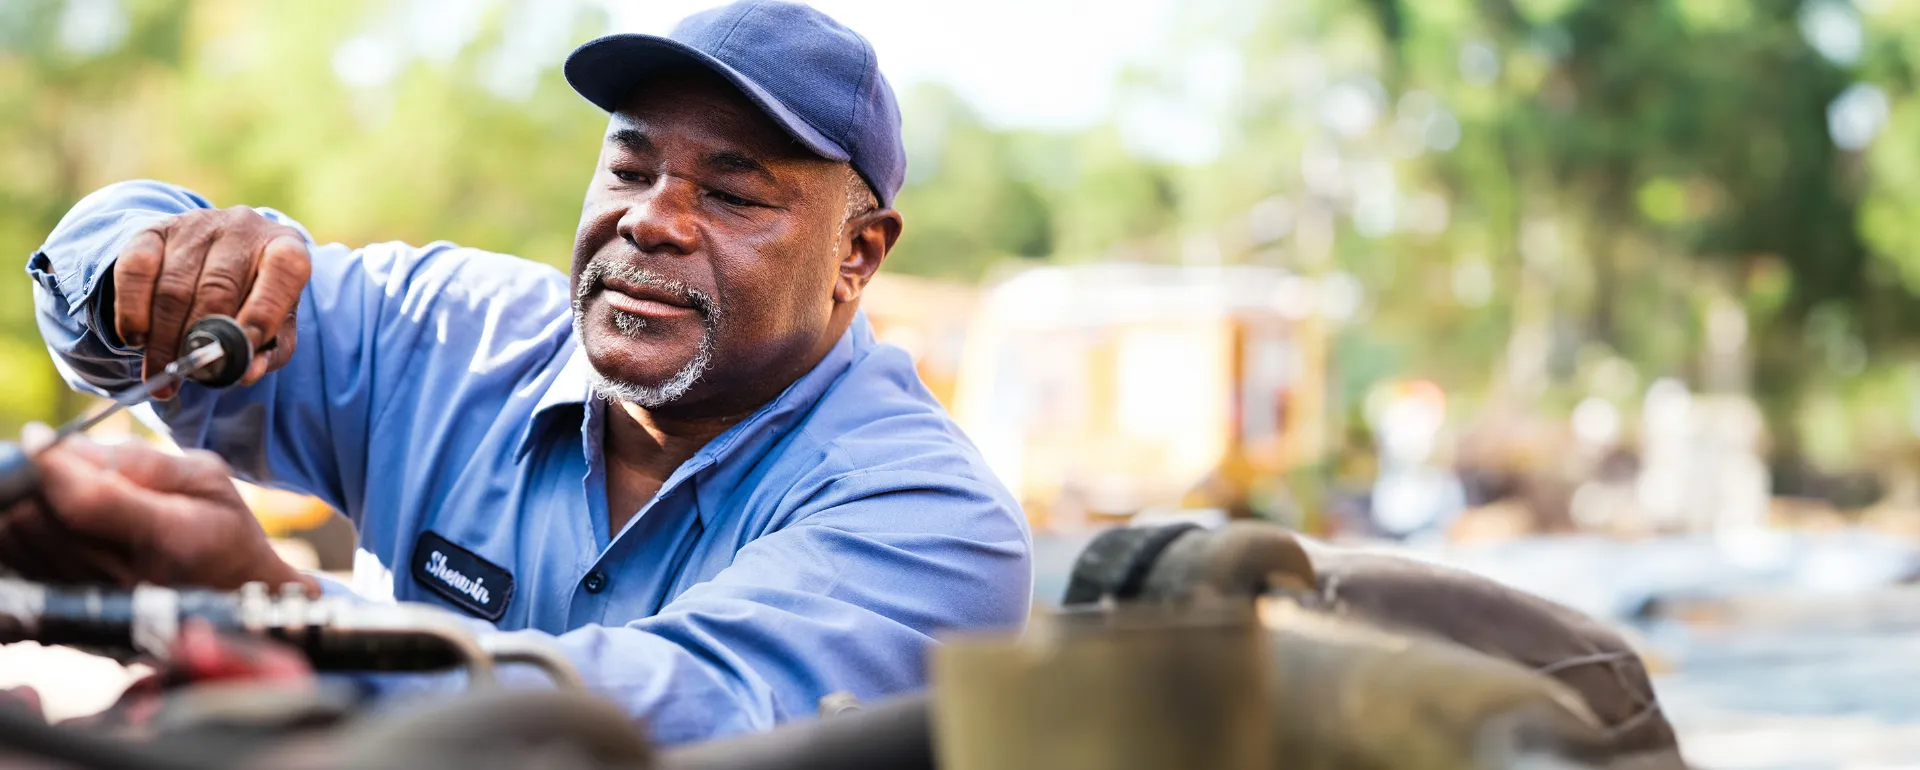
(217, 355)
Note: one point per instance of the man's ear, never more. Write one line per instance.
(872, 235)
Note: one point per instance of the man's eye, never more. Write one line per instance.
(630, 177)
(733, 200)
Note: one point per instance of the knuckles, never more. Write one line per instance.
(219, 285)
(190, 236)
(166, 274)
(234, 222)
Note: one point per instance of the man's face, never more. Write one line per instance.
(708, 249)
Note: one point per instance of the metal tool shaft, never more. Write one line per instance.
(193, 361)
(218, 353)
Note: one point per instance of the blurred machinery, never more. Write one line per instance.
(333, 634)
(1236, 648)
(1243, 647)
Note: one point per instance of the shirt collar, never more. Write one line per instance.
(570, 388)
(574, 385)
(749, 438)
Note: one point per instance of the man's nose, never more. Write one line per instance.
(661, 220)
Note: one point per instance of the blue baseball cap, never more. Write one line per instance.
(819, 80)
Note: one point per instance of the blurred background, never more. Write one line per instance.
(1609, 299)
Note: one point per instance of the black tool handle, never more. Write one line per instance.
(105, 620)
(328, 650)
(236, 351)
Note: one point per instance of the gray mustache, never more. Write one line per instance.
(593, 278)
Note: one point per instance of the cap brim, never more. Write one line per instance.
(605, 70)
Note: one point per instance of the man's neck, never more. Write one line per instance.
(642, 449)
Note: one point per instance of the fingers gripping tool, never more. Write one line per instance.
(217, 355)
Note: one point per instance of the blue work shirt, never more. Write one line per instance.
(817, 546)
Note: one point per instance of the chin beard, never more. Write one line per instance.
(652, 396)
(630, 325)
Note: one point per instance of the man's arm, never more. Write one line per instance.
(849, 598)
(366, 320)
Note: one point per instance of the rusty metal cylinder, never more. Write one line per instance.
(1353, 697)
(1130, 689)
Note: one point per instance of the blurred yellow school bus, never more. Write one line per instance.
(926, 317)
(1109, 389)
(281, 513)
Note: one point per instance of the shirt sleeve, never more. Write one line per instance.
(366, 319)
(849, 598)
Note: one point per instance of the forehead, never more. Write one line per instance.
(697, 105)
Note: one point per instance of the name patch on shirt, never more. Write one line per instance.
(462, 577)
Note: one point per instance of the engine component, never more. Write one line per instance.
(1178, 562)
(896, 734)
(335, 634)
(1130, 688)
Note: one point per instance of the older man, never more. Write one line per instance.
(691, 463)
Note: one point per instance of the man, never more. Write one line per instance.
(691, 463)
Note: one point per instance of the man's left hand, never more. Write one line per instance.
(128, 513)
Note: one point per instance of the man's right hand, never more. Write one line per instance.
(210, 262)
(128, 513)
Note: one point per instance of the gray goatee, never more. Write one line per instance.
(640, 394)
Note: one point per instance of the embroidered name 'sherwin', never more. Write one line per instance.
(474, 584)
(474, 587)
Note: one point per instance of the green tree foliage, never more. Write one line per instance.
(245, 102)
(1689, 146)
(969, 200)
(336, 113)
(1608, 169)
(977, 197)
(1529, 190)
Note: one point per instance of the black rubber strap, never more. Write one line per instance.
(1117, 562)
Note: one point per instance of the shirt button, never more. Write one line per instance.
(596, 582)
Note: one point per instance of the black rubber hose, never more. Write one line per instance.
(498, 728)
(896, 734)
(1116, 563)
(1243, 559)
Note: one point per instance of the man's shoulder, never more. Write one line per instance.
(878, 419)
(876, 453)
(455, 327)
(446, 270)
(476, 309)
